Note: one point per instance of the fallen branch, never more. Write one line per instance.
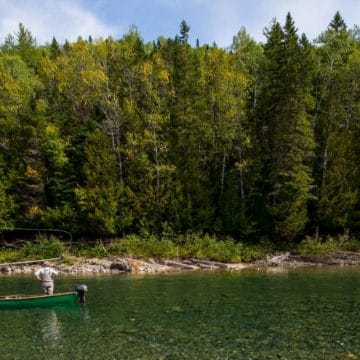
(179, 265)
(209, 263)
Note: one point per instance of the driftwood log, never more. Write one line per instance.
(208, 263)
(342, 258)
(178, 264)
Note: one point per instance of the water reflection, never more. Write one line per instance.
(51, 329)
(53, 325)
(277, 270)
(85, 316)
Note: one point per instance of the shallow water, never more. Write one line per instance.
(297, 314)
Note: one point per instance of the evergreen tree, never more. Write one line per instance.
(8, 208)
(98, 197)
(335, 121)
(337, 23)
(113, 136)
(184, 32)
(54, 48)
(288, 133)
(26, 46)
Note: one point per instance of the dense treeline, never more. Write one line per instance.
(111, 137)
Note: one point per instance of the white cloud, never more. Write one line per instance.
(63, 19)
(209, 20)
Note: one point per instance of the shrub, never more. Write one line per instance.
(10, 255)
(96, 250)
(144, 247)
(328, 246)
(348, 244)
(188, 246)
(208, 247)
(43, 248)
(253, 252)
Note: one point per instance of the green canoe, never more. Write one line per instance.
(27, 301)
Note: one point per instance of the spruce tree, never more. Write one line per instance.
(288, 138)
(184, 32)
(336, 120)
(54, 48)
(337, 23)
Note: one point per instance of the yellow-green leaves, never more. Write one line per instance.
(17, 85)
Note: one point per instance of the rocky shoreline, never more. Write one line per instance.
(113, 265)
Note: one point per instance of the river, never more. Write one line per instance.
(291, 314)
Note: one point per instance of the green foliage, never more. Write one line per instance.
(317, 247)
(55, 146)
(7, 204)
(188, 246)
(285, 116)
(67, 260)
(44, 248)
(114, 137)
(208, 247)
(10, 255)
(16, 84)
(337, 121)
(98, 198)
(84, 249)
(143, 247)
(62, 216)
(328, 246)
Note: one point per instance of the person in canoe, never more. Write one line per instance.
(46, 275)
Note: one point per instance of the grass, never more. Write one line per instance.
(42, 248)
(327, 246)
(199, 246)
(143, 247)
(188, 246)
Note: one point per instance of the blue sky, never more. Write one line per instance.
(209, 20)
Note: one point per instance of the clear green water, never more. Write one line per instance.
(307, 314)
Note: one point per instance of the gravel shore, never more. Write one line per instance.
(125, 264)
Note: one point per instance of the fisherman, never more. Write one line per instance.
(46, 275)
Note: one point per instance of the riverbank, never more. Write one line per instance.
(116, 264)
(192, 252)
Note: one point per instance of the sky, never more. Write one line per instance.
(209, 20)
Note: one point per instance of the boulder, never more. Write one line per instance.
(102, 262)
(121, 265)
(5, 269)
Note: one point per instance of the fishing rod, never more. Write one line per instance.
(39, 230)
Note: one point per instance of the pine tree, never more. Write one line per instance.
(54, 48)
(287, 130)
(335, 122)
(26, 46)
(98, 197)
(8, 208)
(184, 32)
(337, 23)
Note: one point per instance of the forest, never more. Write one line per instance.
(109, 137)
